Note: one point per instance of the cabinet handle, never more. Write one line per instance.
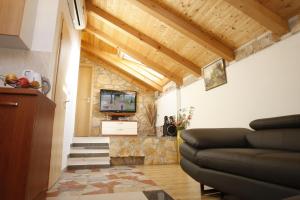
(14, 104)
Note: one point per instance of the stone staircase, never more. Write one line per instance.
(89, 152)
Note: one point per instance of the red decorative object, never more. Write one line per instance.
(22, 82)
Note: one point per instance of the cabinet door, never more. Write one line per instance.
(16, 120)
(11, 15)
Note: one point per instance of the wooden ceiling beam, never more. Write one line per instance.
(135, 54)
(186, 28)
(126, 76)
(187, 64)
(147, 69)
(165, 81)
(114, 60)
(261, 15)
(141, 71)
(143, 77)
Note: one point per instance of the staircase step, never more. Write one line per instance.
(76, 167)
(82, 150)
(87, 163)
(91, 160)
(104, 140)
(86, 155)
(89, 152)
(76, 152)
(91, 145)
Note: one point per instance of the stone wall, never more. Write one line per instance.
(266, 40)
(153, 149)
(104, 79)
(156, 150)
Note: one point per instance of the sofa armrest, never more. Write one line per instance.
(216, 138)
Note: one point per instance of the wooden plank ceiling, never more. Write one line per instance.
(176, 38)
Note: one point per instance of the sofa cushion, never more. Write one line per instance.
(188, 152)
(289, 121)
(281, 139)
(278, 167)
(204, 138)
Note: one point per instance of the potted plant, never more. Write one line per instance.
(184, 117)
(183, 120)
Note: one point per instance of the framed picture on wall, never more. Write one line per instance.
(214, 74)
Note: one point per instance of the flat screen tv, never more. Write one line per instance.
(117, 101)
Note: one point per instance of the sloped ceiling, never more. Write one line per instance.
(177, 38)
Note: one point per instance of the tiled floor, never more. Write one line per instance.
(113, 183)
(147, 195)
(127, 183)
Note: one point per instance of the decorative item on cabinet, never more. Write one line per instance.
(46, 86)
(151, 113)
(169, 127)
(30, 79)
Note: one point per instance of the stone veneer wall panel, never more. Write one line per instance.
(157, 150)
(104, 79)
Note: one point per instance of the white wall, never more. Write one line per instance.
(71, 81)
(45, 25)
(15, 61)
(28, 21)
(265, 84)
(166, 106)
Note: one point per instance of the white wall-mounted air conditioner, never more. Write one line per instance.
(78, 13)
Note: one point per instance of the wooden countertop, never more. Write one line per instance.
(23, 91)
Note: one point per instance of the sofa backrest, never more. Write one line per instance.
(282, 133)
(289, 121)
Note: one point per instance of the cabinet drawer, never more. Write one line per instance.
(117, 125)
(119, 128)
(119, 132)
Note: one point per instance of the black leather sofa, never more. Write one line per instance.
(263, 164)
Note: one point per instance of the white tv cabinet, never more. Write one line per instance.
(117, 127)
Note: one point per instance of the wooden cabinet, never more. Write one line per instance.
(11, 15)
(26, 121)
(17, 21)
(119, 127)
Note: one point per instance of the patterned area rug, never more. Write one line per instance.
(115, 183)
